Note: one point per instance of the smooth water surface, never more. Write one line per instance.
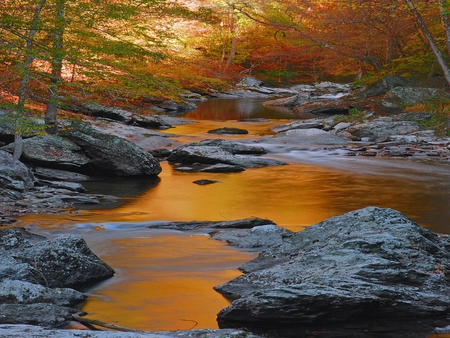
(164, 279)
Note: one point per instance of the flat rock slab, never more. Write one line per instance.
(39, 332)
(367, 265)
(227, 130)
(246, 223)
(310, 136)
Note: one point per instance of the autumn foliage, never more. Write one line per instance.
(123, 50)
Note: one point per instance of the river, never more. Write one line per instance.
(164, 279)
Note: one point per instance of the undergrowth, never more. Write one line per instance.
(440, 115)
(354, 115)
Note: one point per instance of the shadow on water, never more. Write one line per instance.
(123, 188)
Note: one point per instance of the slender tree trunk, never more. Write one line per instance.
(18, 144)
(57, 60)
(434, 47)
(445, 10)
(232, 51)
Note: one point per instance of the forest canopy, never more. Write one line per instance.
(61, 51)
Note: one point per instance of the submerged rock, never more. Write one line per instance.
(372, 265)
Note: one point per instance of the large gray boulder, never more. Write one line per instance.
(381, 129)
(110, 154)
(401, 96)
(53, 151)
(384, 85)
(61, 262)
(14, 174)
(370, 265)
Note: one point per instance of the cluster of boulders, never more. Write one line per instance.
(372, 267)
(38, 276)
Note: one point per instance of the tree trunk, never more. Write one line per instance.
(57, 60)
(445, 10)
(232, 51)
(18, 144)
(437, 53)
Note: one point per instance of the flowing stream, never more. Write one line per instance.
(164, 279)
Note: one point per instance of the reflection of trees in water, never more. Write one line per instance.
(235, 109)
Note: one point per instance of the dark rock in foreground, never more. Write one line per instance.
(34, 278)
(65, 261)
(372, 265)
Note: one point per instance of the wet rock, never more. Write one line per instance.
(384, 85)
(222, 168)
(170, 105)
(226, 130)
(205, 182)
(323, 107)
(290, 101)
(61, 262)
(402, 96)
(36, 314)
(19, 292)
(262, 236)
(298, 124)
(246, 223)
(7, 330)
(71, 186)
(34, 274)
(151, 121)
(109, 112)
(14, 174)
(110, 154)
(53, 150)
(381, 129)
(254, 120)
(371, 265)
(307, 137)
(220, 152)
(56, 174)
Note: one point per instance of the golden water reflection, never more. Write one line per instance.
(165, 282)
(164, 279)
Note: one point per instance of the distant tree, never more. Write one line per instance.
(429, 36)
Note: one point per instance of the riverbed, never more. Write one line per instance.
(164, 279)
